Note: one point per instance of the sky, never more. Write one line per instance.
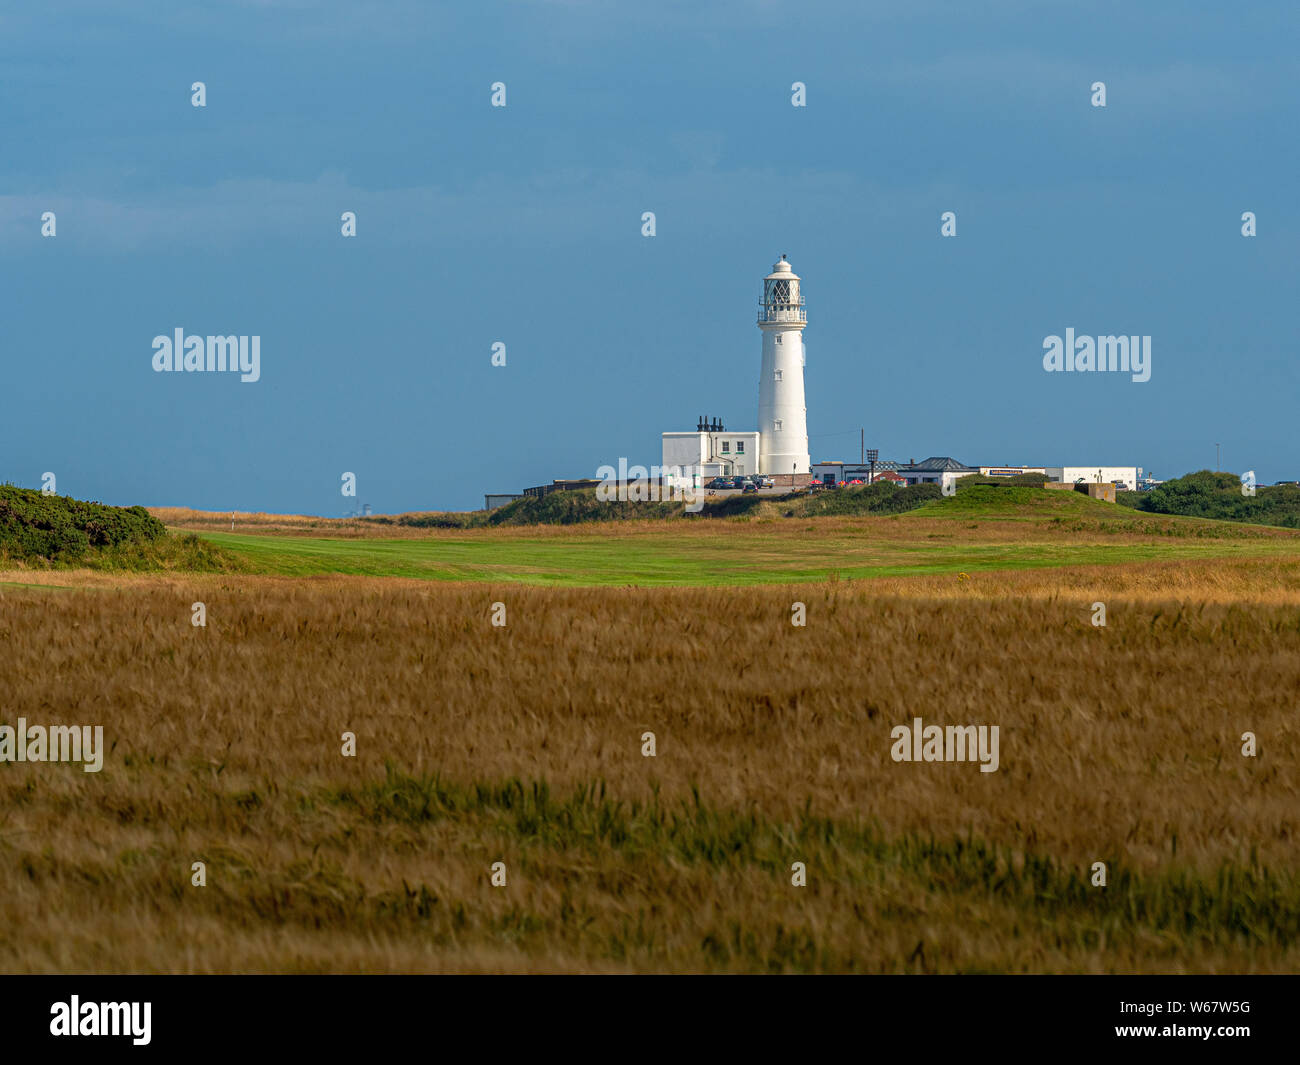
(522, 225)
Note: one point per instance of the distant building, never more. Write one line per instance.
(712, 451)
(834, 472)
(938, 469)
(492, 502)
(1123, 477)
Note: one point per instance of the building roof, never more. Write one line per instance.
(936, 463)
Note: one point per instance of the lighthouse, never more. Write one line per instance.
(782, 415)
(780, 443)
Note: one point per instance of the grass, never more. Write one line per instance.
(650, 559)
(1228, 905)
(983, 529)
(522, 744)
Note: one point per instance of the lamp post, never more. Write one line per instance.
(872, 455)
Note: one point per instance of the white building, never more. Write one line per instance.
(713, 453)
(937, 469)
(782, 415)
(780, 445)
(1125, 477)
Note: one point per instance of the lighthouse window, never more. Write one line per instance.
(780, 337)
(777, 425)
(778, 375)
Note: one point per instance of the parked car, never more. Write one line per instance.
(764, 482)
(750, 486)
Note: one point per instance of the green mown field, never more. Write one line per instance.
(995, 529)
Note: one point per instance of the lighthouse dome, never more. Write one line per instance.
(782, 271)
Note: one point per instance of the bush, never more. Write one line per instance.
(1020, 480)
(879, 498)
(35, 526)
(576, 506)
(1206, 494)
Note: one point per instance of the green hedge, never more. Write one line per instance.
(36, 526)
(879, 498)
(1207, 494)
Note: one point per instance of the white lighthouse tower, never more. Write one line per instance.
(782, 415)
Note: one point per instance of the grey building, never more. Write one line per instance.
(937, 469)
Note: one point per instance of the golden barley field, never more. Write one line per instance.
(522, 744)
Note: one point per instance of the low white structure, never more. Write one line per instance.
(1125, 477)
(713, 454)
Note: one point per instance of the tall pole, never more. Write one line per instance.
(1217, 467)
(862, 446)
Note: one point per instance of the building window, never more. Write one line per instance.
(778, 375)
(740, 447)
(726, 447)
(777, 425)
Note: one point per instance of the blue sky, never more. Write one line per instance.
(523, 225)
